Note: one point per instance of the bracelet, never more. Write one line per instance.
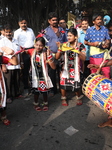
(59, 51)
(49, 57)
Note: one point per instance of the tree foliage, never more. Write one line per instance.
(36, 11)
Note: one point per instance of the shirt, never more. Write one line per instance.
(12, 45)
(66, 32)
(25, 38)
(93, 35)
(81, 40)
(52, 38)
(2, 36)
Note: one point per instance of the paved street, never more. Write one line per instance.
(31, 130)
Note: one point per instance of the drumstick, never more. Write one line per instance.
(103, 61)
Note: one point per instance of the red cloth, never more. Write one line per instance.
(5, 60)
(98, 61)
(30, 51)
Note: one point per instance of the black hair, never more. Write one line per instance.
(8, 27)
(73, 31)
(62, 19)
(95, 16)
(52, 15)
(84, 19)
(21, 19)
(41, 39)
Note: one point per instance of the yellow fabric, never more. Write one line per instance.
(64, 47)
(96, 51)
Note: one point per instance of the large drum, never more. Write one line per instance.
(99, 89)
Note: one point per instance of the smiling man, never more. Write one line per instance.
(98, 39)
(11, 72)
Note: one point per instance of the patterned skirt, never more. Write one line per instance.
(41, 88)
(69, 84)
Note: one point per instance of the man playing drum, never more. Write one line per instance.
(93, 66)
(98, 39)
(97, 66)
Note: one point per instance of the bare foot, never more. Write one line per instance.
(105, 124)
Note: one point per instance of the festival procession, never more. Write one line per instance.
(72, 53)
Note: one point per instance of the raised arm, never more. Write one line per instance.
(50, 59)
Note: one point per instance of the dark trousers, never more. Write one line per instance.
(12, 81)
(52, 75)
(25, 70)
(55, 76)
(86, 69)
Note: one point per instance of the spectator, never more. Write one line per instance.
(63, 24)
(54, 34)
(11, 72)
(85, 25)
(25, 37)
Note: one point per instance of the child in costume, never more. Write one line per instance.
(41, 82)
(70, 54)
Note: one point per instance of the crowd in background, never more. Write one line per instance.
(44, 63)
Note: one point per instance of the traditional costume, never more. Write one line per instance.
(3, 60)
(3, 94)
(70, 67)
(41, 82)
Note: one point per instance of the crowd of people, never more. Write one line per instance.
(59, 55)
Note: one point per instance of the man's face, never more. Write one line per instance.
(98, 21)
(62, 24)
(53, 22)
(23, 25)
(110, 31)
(8, 34)
(84, 25)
